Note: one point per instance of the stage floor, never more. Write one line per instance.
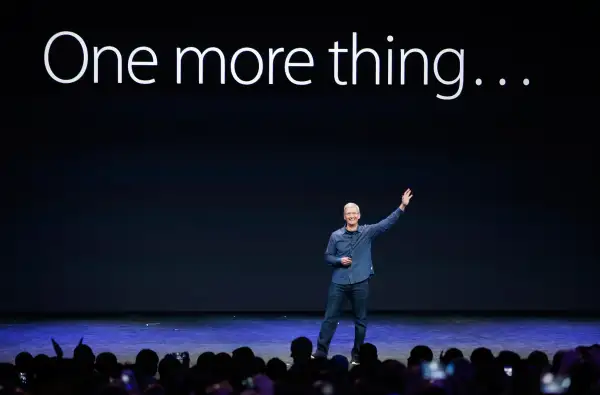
(271, 336)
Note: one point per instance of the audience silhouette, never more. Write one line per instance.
(574, 372)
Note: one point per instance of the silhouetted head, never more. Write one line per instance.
(482, 356)
(168, 367)
(24, 362)
(367, 354)
(301, 349)
(339, 364)
(351, 215)
(508, 358)
(205, 361)
(392, 376)
(83, 356)
(223, 367)
(276, 369)
(420, 354)
(107, 364)
(538, 359)
(450, 355)
(146, 362)
(243, 355)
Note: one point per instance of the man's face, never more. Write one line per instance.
(351, 215)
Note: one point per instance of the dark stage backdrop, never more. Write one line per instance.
(166, 197)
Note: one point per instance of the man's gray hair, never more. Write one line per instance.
(353, 205)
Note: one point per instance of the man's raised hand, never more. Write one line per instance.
(406, 198)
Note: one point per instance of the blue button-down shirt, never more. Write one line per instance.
(355, 245)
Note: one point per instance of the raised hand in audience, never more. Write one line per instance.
(57, 349)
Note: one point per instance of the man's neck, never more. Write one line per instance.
(352, 228)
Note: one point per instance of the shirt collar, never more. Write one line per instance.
(359, 229)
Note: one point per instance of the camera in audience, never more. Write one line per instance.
(436, 371)
(182, 357)
(551, 384)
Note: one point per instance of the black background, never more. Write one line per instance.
(222, 197)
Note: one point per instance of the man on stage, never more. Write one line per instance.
(349, 253)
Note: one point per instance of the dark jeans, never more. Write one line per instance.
(338, 293)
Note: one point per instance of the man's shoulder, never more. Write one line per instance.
(337, 232)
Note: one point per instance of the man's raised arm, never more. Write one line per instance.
(386, 223)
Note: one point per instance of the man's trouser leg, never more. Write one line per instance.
(335, 302)
(358, 295)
